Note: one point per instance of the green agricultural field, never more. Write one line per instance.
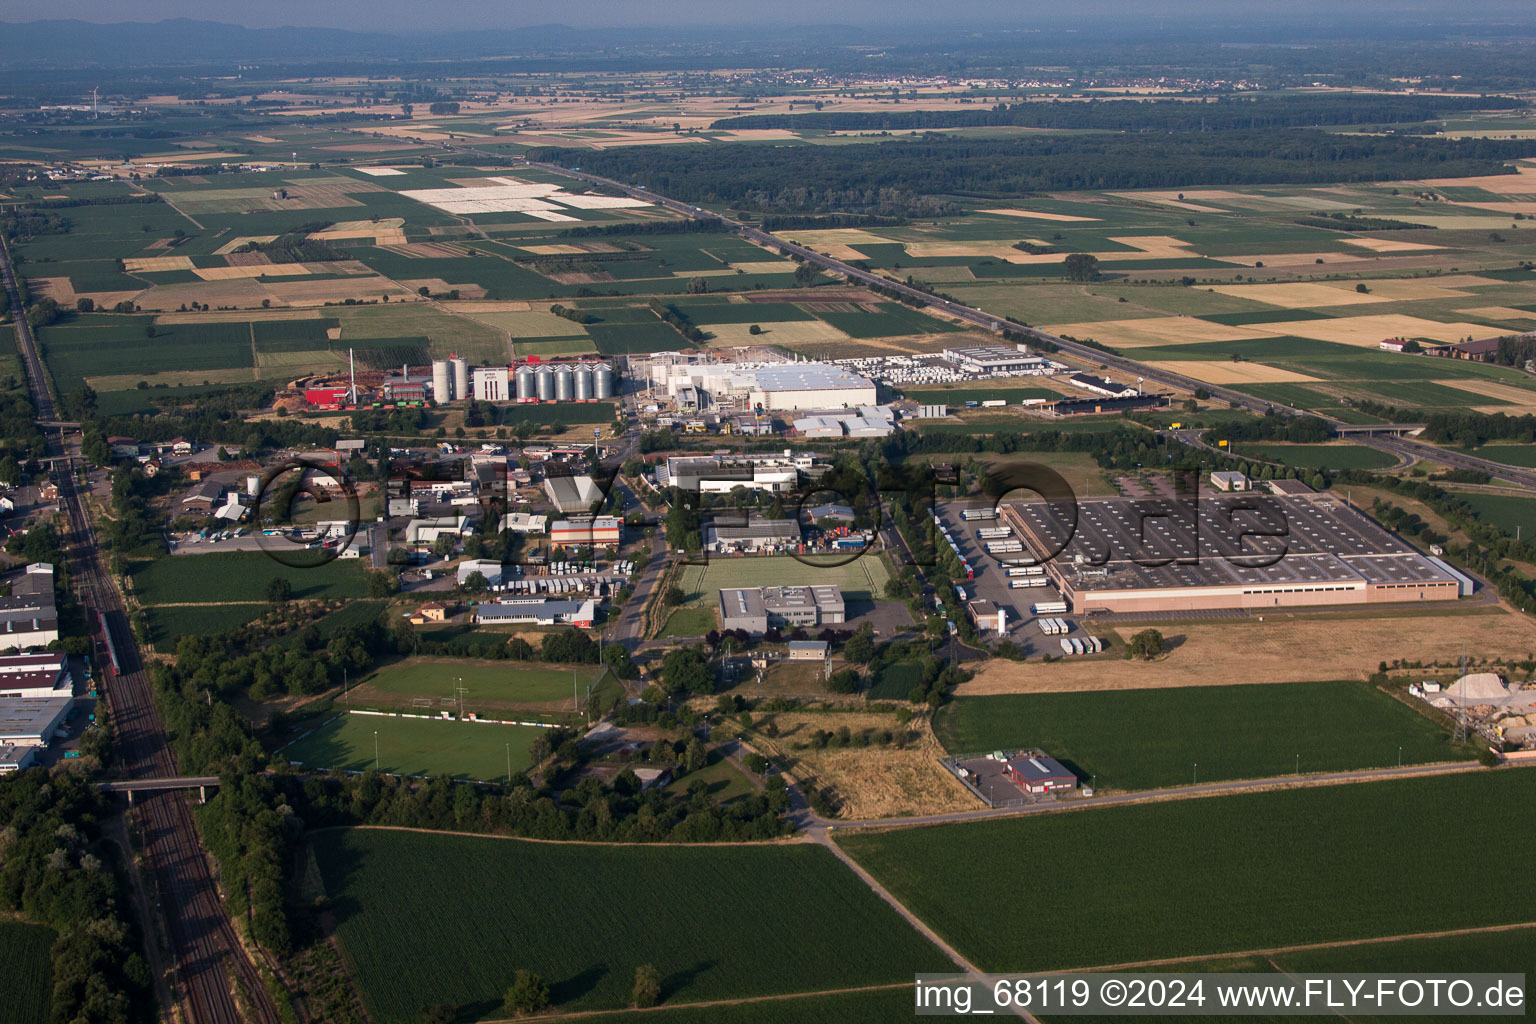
(1506, 511)
(167, 625)
(1149, 739)
(416, 746)
(532, 907)
(892, 320)
(709, 313)
(486, 683)
(614, 339)
(1331, 456)
(1522, 455)
(99, 345)
(239, 576)
(862, 579)
(881, 1004)
(1220, 875)
(569, 413)
(26, 983)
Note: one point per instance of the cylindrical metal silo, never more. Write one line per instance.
(460, 377)
(440, 390)
(583, 384)
(602, 381)
(565, 384)
(544, 384)
(525, 388)
(253, 485)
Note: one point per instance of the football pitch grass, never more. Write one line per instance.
(703, 916)
(1152, 739)
(862, 579)
(483, 681)
(1200, 878)
(415, 746)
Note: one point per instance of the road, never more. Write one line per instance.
(203, 942)
(1402, 447)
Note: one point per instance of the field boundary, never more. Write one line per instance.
(584, 1014)
(440, 718)
(1309, 946)
(793, 840)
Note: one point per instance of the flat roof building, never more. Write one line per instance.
(1228, 551)
(537, 611)
(750, 533)
(756, 609)
(1102, 385)
(1040, 774)
(572, 493)
(584, 530)
(34, 675)
(997, 359)
(31, 721)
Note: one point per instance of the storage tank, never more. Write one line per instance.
(525, 386)
(440, 390)
(583, 384)
(460, 377)
(253, 485)
(565, 386)
(602, 381)
(544, 384)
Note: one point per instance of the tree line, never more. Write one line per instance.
(1224, 114)
(881, 177)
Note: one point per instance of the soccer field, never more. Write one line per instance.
(485, 683)
(415, 746)
(862, 579)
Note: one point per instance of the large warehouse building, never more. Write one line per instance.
(774, 386)
(755, 609)
(1232, 551)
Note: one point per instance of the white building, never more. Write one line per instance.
(522, 522)
(33, 675)
(426, 531)
(695, 382)
(491, 570)
(998, 360)
(538, 612)
(584, 531)
(491, 384)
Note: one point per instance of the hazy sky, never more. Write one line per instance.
(405, 15)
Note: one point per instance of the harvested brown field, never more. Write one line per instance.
(873, 781)
(437, 286)
(1298, 294)
(1143, 332)
(315, 293)
(789, 333)
(1389, 245)
(1498, 313)
(1215, 372)
(427, 250)
(1037, 215)
(1283, 647)
(1369, 331)
(156, 264)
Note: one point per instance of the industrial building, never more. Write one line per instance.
(1102, 386)
(750, 533)
(1040, 774)
(699, 382)
(34, 675)
(757, 609)
(1229, 480)
(427, 531)
(31, 721)
(15, 759)
(864, 421)
(1228, 551)
(998, 360)
(807, 650)
(523, 522)
(1092, 406)
(490, 569)
(988, 616)
(492, 384)
(572, 493)
(716, 474)
(537, 612)
(28, 616)
(584, 531)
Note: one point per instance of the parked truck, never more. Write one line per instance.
(1049, 608)
(1004, 547)
(1026, 583)
(1026, 570)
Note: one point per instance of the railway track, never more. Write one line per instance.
(208, 956)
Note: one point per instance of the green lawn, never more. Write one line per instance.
(1522, 455)
(25, 985)
(483, 680)
(862, 579)
(236, 576)
(414, 746)
(1224, 874)
(892, 319)
(1149, 739)
(585, 916)
(896, 680)
(695, 621)
(1331, 456)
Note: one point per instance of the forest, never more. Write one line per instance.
(886, 177)
(1227, 114)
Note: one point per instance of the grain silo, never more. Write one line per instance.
(460, 377)
(583, 383)
(602, 381)
(440, 392)
(565, 387)
(544, 384)
(525, 387)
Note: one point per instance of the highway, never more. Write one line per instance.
(1399, 446)
(202, 940)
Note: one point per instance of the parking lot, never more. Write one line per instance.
(991, 583)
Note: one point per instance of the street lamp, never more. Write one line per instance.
(375, 750)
